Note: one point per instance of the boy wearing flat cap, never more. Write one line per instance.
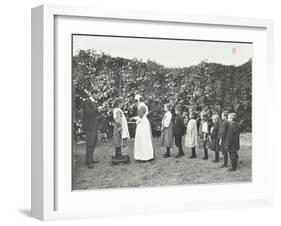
(233, 141)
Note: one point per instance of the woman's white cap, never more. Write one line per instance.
(137, 97)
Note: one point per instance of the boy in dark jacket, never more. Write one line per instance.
(214, 136)
(179, 130)
(233, 141)
(222, 137)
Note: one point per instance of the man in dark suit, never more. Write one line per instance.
(90, 126)
(233, 141)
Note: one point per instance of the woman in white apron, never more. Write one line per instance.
(143, 148)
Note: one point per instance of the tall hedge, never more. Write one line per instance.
(211, 85)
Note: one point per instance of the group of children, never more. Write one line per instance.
(219, 135)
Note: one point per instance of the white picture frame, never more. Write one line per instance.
(45, 163)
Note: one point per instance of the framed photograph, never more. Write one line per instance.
(138, 112)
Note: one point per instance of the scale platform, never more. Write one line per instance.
(124, 159)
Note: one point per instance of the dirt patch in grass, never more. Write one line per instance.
(160, 171)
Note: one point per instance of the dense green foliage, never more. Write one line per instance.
(211, 85)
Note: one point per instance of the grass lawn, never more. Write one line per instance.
(159, 172)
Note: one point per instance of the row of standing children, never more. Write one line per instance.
(219, 135)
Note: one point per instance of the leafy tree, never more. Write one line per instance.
(210, 85)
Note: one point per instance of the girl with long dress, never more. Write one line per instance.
(191, 140)
(121, 134)
(166, 138)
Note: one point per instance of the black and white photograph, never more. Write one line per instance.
(152, 111)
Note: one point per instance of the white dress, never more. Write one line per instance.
(191, 134)
(125, 130)
(143, 148)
